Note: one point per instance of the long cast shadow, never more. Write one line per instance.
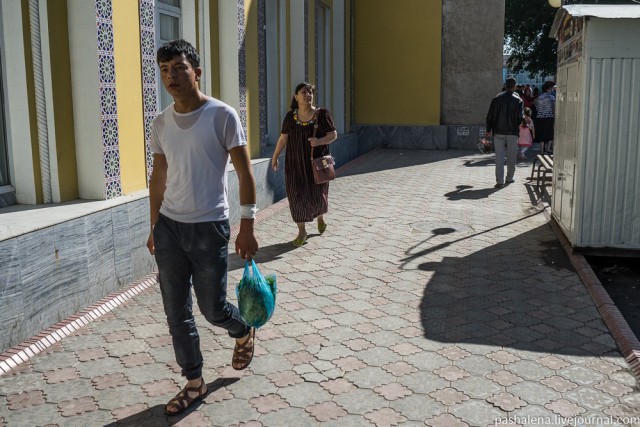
(522, 293)
(464, 192)
(395, 158)
(155, 416)
(265, 254)
(411, 257)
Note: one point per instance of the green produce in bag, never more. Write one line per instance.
(256, 296)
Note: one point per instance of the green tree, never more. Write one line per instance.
(526, 30)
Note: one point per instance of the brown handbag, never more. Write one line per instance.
(323, 167)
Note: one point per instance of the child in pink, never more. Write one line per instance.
(527, 133)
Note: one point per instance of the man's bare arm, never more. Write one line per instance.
(157, 186)
(246, 243)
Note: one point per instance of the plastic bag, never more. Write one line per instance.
(485, 145)
(256, 296)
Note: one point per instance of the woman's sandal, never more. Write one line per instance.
(243, 353)
(184, 400)
(299, 241)
(322, 227)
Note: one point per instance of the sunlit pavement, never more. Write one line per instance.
(432, 299)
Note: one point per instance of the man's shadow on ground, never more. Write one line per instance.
(462, 192)
(266, 253)
(155, 416)
(483, 162)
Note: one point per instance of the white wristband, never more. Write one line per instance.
(248, 211)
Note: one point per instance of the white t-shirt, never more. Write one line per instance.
(196, 146)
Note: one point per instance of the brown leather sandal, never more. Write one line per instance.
(183, 400)
(243, 353)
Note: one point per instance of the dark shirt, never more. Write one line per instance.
(505, 114)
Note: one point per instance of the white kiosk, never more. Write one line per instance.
(596, 177)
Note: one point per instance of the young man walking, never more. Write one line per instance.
(192, 141)
(503, 121)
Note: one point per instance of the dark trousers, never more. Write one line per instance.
(194, 253)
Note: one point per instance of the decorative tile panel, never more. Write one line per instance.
(262, 73)
(108, 99)
(149, 82)
(242, 60)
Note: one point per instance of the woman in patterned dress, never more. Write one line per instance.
(545, 118)
(307, 200)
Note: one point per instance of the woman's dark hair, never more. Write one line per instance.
(294, 103)
(174, 48)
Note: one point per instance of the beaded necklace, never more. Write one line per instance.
(298, 122)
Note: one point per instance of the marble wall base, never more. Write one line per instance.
(7, 198)
(54, 272)
(464, 137)
(418, 137)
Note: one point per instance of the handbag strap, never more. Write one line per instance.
(315, 128)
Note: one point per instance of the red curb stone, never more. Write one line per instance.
(23, 352)
(624, 337)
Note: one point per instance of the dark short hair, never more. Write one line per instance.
(178, 47)
(548, 85)
(294, 103)
(510, 83)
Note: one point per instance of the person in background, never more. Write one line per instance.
(503, 122)
(527, 133)
(534, 94)
(527, 97)
(545, 117)
(192, 141)
(307, 200)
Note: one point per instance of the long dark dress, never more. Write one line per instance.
(307, 199)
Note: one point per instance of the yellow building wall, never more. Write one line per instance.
(214, 42)
(397, 62)
(128, 68)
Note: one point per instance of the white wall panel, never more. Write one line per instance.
(297, 39)
(86, 98)
(229, 67)
(610, 195)
(18, 128)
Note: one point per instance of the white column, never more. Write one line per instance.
(296, 25)
(19, 137)
(188, 10)
(274, 110)
(229, 68)
(206, 49)
(54, 181)
(338, 72)
(85, 83)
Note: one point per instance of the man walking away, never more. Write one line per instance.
(503, 121)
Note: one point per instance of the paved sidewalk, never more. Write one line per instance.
(432, 299)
